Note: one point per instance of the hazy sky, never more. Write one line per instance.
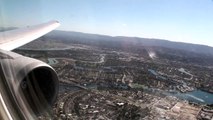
(177, 20)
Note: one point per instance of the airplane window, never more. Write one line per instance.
(114, 59)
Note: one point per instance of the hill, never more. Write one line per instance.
(103, 40)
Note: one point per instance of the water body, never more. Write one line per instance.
(52, 61)
(153, 72)
(156, 74)
(64, 87)
(197, 96)
(184, 71)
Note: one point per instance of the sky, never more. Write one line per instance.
(188, 21)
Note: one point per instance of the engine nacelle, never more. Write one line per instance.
(33, 84)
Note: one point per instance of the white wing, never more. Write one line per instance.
(10, 40)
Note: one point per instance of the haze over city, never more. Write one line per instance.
(177, 20)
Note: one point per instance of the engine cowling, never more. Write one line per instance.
(33, 84)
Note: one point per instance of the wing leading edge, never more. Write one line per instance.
(12, 39)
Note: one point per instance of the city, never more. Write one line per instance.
(121, 80)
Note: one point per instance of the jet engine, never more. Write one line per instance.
(28, 86)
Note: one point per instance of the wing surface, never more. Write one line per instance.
(12, 39)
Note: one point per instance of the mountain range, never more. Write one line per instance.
(78, 37)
